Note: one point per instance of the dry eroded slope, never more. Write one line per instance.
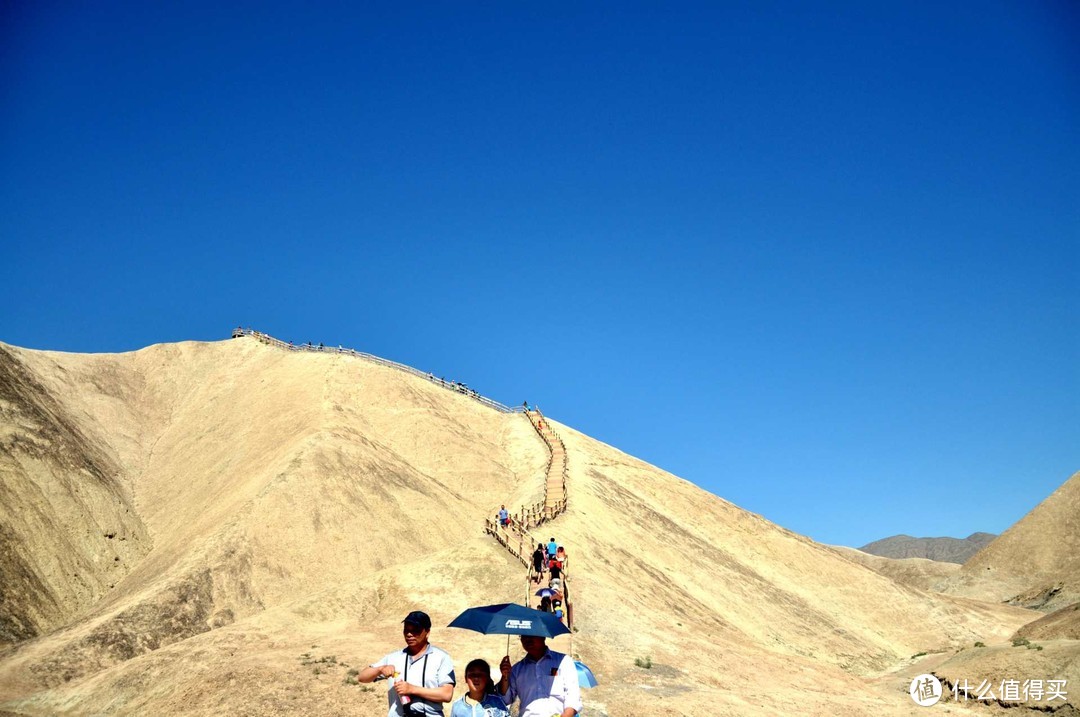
(294, 500)
(1036, 562)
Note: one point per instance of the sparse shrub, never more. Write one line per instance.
(918, 654)
(1021, 642)
(317, 670)
(980, 644)
(1034, 647)
(646, 663)
(367, 688)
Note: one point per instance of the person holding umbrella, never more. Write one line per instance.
(425, 673)
(510, 619)
(545, 681)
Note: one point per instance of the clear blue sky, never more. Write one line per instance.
(819, 259)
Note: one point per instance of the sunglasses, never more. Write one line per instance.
(412, 629)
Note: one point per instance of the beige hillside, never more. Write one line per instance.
(921, 573)
(1060, 624)
(1036, 562)
(207, 529)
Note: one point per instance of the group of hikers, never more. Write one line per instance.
(544, 682)
(453, 385)
(550, 559)
(240, 331)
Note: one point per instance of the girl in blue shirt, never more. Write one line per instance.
(480, 700)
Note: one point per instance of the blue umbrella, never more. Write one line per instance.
(585, 676)
(510, 619)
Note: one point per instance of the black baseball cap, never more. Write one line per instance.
(420, 619)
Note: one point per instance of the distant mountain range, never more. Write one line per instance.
(947, 550)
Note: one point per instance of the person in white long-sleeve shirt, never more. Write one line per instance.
(545, 681)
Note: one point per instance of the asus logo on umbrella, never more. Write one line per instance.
(519, 624)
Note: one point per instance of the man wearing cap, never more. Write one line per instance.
(546, 681)
(422, 673)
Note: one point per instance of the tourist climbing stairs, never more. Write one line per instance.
(519, 538)
(516, 537)
(555, 493)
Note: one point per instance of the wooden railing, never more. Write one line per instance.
(520, 543)
(517, 540)
(532, 516)
(554, 505)
(449, 385)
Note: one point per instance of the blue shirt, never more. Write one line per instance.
(546, 686)
(552, 547)
(491, 706)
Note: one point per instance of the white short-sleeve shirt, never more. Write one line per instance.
(431, 668)
(546, 686)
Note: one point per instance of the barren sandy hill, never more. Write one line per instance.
(921, 573)
(1036, 562)
(1060, 624)
(286, 509)
(949, 550)
(66, 521)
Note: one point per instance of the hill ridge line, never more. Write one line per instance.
(555, 483)
(461, 388)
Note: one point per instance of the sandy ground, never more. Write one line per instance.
(286, 510)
